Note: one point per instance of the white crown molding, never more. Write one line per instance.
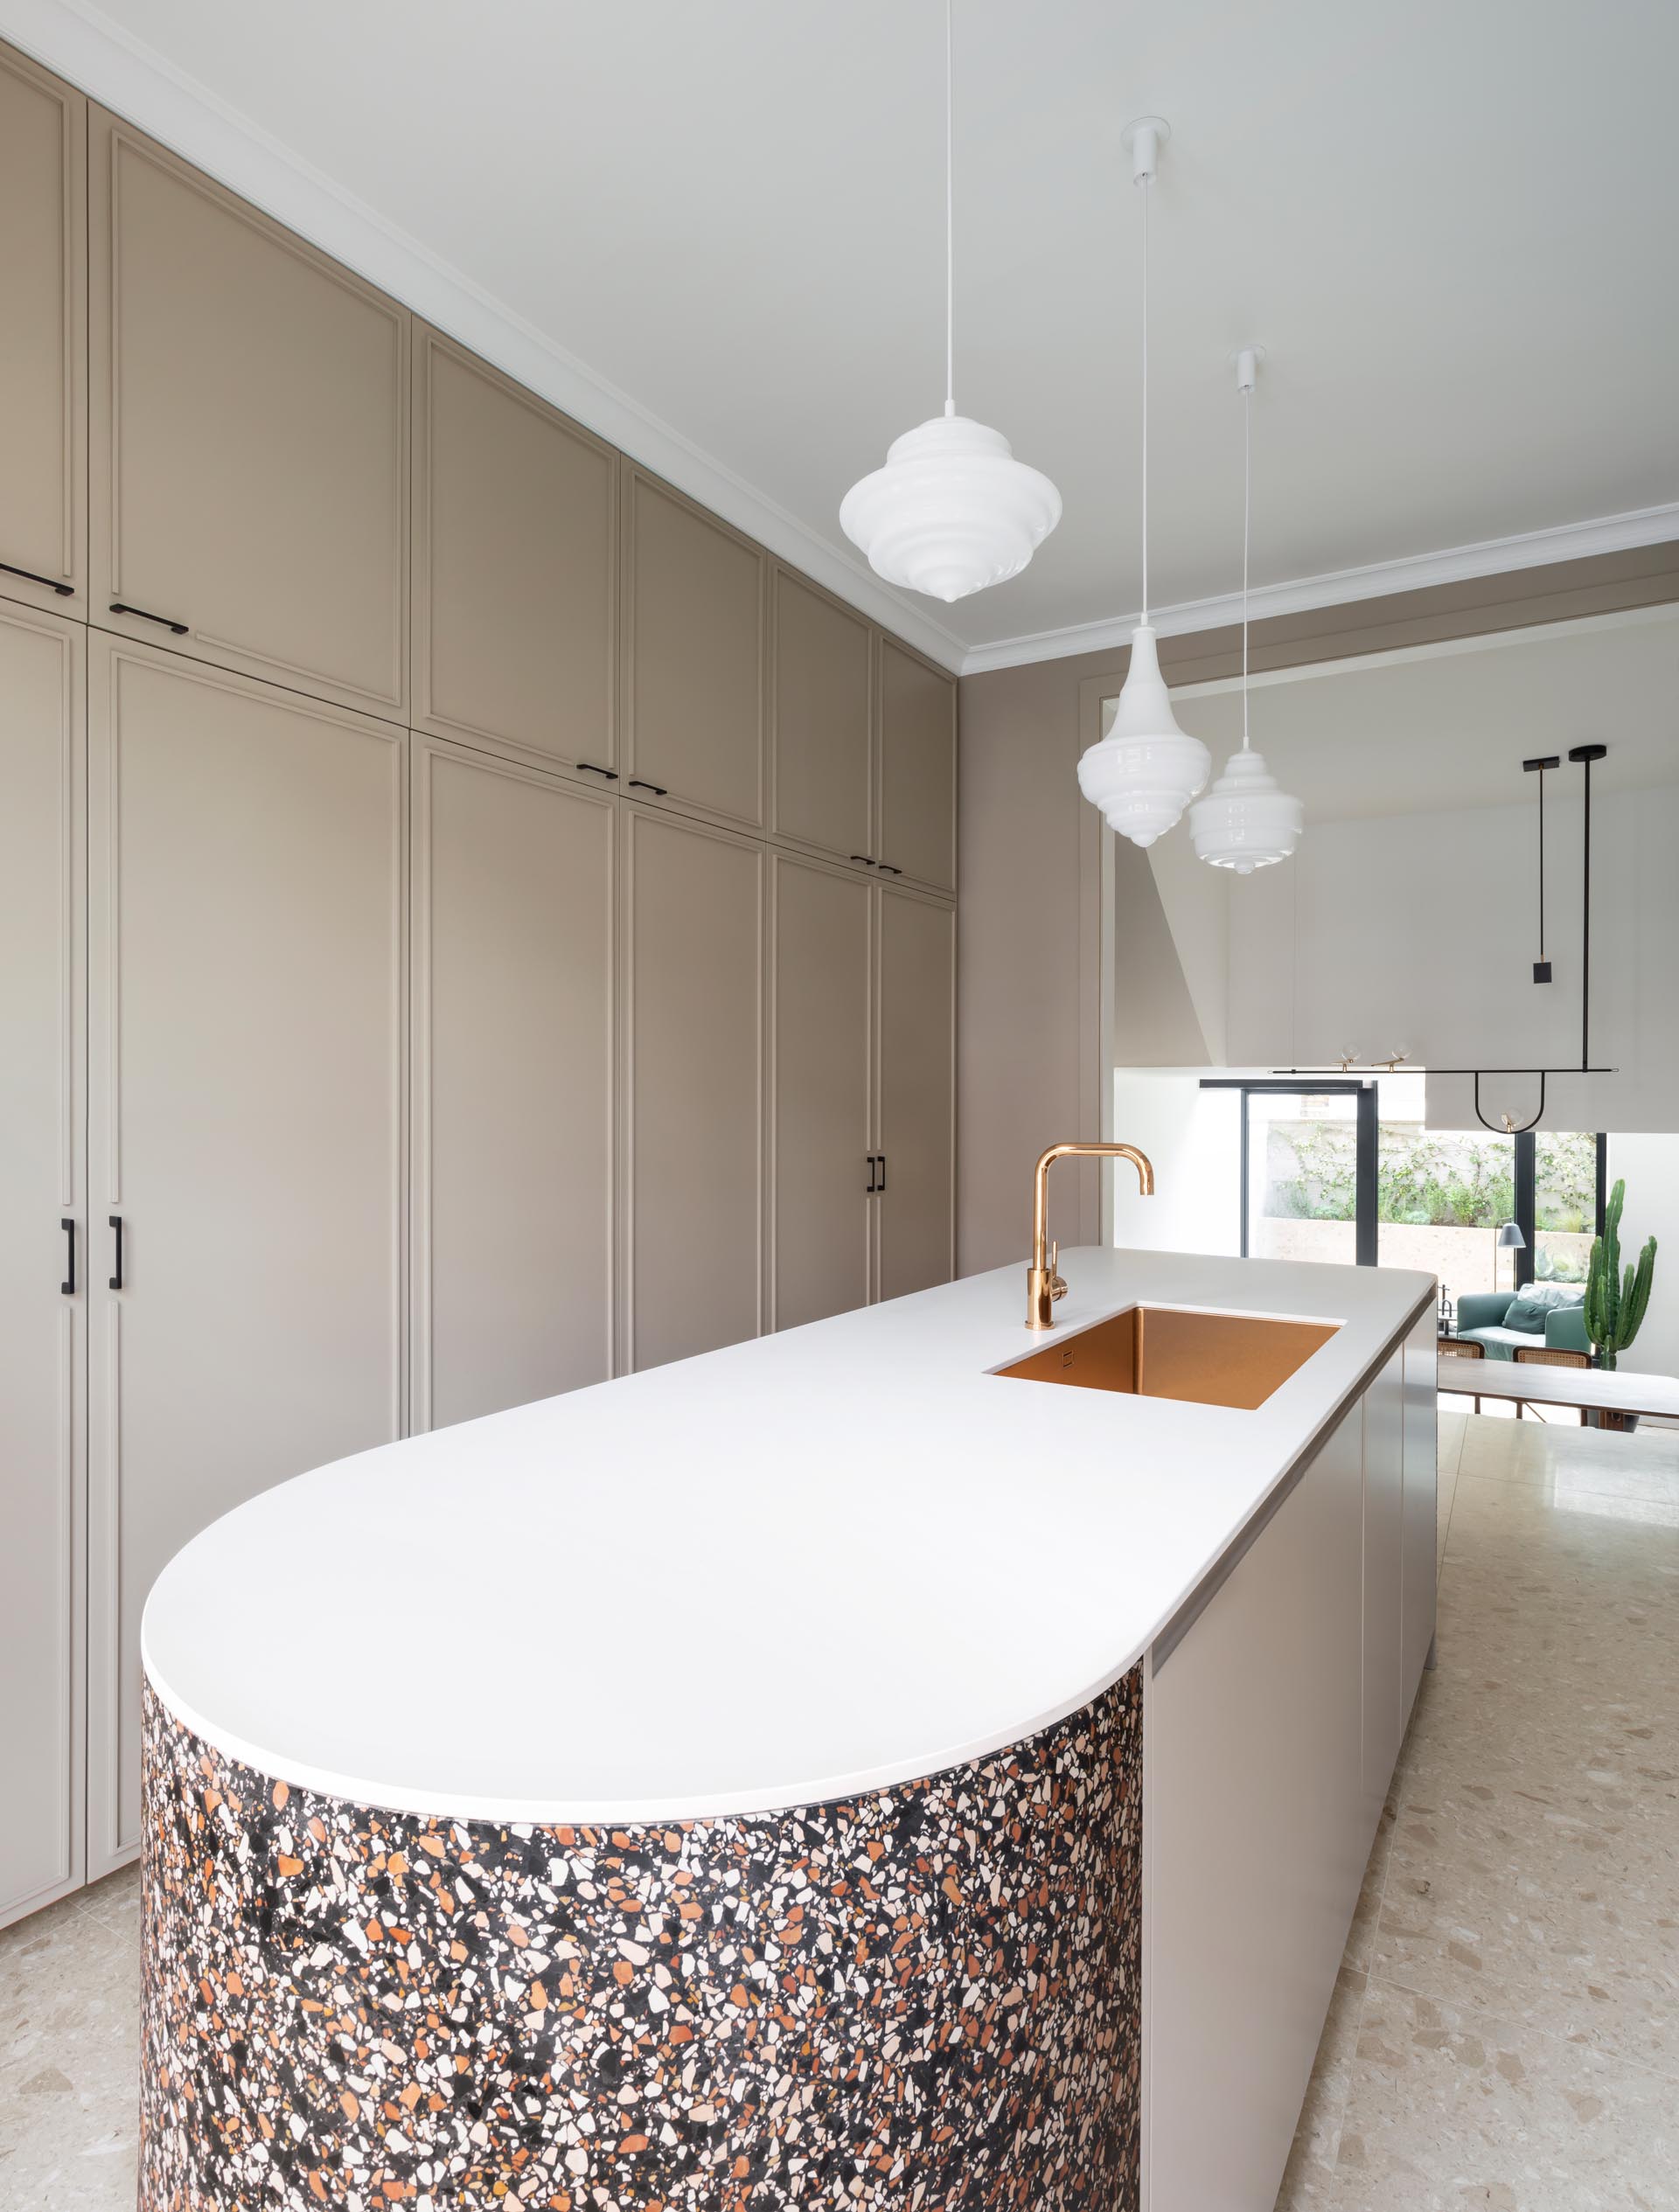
(80, 43)
(1417, 571)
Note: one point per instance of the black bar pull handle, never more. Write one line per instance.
(885, 870)
(116, 1223)
(68, 1285)
(658, 790)
(164, 622)
(871, 1170)
(863, 860)
(593, 768)
(881, 1185)
(65, 591)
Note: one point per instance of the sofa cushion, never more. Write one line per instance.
(1523, 1312)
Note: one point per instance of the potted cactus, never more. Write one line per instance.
(1615, 1301)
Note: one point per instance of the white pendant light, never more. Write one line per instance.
(952, 511)
(1246, 821)
(1146, 770)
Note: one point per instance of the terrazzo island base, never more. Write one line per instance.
(802, 1855)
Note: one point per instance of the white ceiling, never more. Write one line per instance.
(1452, 226)
(1444, 728)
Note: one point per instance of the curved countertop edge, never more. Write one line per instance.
(772, 1801)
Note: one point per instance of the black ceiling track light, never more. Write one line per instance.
(1505, 1125)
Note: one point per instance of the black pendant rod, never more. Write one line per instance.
(1585, 754)
(1542, 966)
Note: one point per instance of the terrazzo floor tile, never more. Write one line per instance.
(1517, 2037)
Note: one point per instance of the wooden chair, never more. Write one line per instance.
(1544, 1355)
(1462, 1349)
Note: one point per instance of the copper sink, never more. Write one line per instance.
(1179, 1352)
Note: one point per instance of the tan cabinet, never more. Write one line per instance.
(822, 721)
(821, 1143)
(513, 1014)
(915, 835)
(246, 1108)
(692, 1088)
(43, 1257)
(250, 445)
(43, 338)
(515, 565)
(915, 1055)
(694, 624)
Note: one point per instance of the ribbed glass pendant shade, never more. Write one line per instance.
(953, 512)
(1146, 770)
(1246, 821)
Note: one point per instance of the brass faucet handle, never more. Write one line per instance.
(1057, 1280)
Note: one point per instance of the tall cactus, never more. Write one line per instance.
(1614, 1302)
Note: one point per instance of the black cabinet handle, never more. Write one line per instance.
(610, 773)
(881, 1184)
(118, 606)
(658, 790)
(871, 1170)
(68, 1285)
(885, 870)
(65, 591)
(863, 860)
(116, 1223)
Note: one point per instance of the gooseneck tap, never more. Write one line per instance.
(1043, 1281)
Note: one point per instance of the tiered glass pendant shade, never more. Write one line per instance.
(952, 511)
(1146, 770)
(1246, 821)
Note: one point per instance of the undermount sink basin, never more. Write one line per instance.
(1179, 1352)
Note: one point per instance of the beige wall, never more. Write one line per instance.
(1031, 1051)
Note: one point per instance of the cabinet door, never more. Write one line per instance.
(822, 720)
(917, 827)
(1254, 1844)
(512, 1086)
(250, 472)
(43, 1370)
(515, 565)
(245, 1125)
(915, 997)
(1384, 1460)
(693, 655)
(819, 1090)
(693, 1087)
(43, 337)
(1420, 1546)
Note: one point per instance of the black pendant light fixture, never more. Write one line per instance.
(1542, 966)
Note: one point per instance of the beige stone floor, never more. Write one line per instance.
(1505, 2032)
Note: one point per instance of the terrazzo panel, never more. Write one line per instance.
(928, 1996)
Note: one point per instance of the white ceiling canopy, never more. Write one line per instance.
(716, 232)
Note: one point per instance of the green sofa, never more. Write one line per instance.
(1555, 1313)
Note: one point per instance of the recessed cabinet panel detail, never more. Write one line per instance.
(43, 1258)
(694, 1087)
(43, 337)
(822, 721)
(513, 1027)
(245, 1126)
(824, 1172)
(917, 825)
(250, 430)
(516, 538)
(916, 988)
(693, 617)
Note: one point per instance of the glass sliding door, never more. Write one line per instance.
(1308, 1181)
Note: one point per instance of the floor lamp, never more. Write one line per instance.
(1508, 1238)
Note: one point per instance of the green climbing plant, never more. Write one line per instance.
(1614, 1302)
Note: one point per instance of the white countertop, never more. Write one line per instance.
(800, 1568)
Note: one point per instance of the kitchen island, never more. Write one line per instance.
(829, 1771)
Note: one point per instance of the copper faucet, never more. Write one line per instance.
(1043, 1280)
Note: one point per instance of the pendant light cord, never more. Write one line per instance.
(1146, 185)
(1247, 511)
(950, 212)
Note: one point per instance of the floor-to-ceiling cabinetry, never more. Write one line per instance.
(479, 923)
